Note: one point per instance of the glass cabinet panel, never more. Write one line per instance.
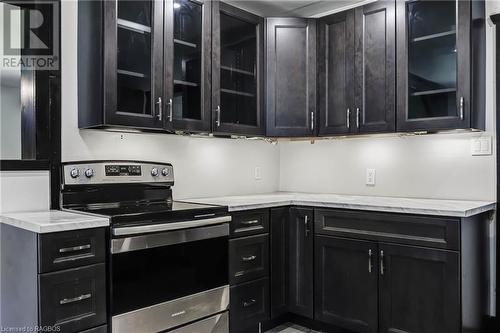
(432, 59)
(187, 59)
(134, 57)
(238, 79)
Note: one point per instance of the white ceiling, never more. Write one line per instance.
(298, 8)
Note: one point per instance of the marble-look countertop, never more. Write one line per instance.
(52, 221)
(456, 208)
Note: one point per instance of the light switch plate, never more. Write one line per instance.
(370, 177)
(481, 146)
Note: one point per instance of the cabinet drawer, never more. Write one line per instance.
(74, 299)
(428, 231)
(248, 258)
(250, 222)
(63, 250)
(249, 305)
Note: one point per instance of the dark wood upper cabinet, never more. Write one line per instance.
(301, 258)
(441, 65)
(237, 71)
(120, 64)
(187, 54)
(336, 73)
(375, 67)
(291, 77)
(419, 290)
(346, 283)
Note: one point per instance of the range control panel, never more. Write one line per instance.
(116, 172)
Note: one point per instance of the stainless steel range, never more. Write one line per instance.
(168, 260)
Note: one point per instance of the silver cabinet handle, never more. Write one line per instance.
(74, 248)
(370, 261)
(248, 303)
(251, 222)
(312, 121)
(348, 118)
(249, 258)
(461, 108)
(357, 117)
(382, 268)
(217, 121)
(170, 110)
(306, 226)
(160, 108)
(75, 299)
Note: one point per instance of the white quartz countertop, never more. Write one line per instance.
(456, 208)
(52, 221)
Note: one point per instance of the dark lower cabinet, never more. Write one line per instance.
(301, 247)
(279, 231)
(54, 280)
(346, 280)
(249, 306)
(291, 77)
(419, 289)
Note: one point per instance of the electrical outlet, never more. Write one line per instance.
(370, 177)
(481, 146)
(258, 173)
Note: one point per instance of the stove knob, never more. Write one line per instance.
(74, 173)
(154, 172)
(165, 172)
(89, 173)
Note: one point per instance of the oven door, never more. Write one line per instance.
(165, 279)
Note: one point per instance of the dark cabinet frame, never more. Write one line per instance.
(185, 124)
(355, 113)
(276, 87)
(97, 69)
(219, 127)
(386, 121)
(325, 39)
(471, 69)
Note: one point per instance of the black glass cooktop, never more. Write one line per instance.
(157, 211)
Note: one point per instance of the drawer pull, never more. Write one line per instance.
(382, 268)
(74, 248)
(251, 302)
(251, 222)
(249, 258)
(75, 299)
(370, 261)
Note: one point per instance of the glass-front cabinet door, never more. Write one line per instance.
(433, 64)
(187, 64)
(237, 71)
(135, 66)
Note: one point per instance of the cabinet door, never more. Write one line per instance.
(375, 67)
(419, 289)
(291, 77)
(346, 280)
(300, 291)
(188, 65)
(133, 64)
(433, 64)
(279, 260)
(237, 71)
(336, 73)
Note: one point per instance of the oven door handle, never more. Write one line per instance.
(144, 229)
(167, 238)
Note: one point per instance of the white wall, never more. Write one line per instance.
(24, 191)
(431, 166)
(202, 166)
